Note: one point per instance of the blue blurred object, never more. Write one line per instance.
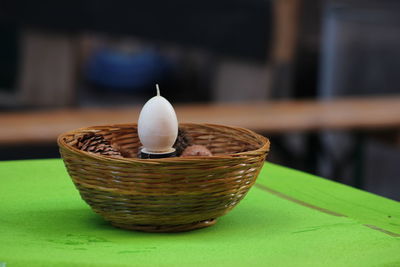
(125, 71)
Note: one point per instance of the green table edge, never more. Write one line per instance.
(373, 211)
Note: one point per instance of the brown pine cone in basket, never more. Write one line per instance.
(181, 143)
(97, 144)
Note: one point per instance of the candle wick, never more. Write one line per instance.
(158, 89)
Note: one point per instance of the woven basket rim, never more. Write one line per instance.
(62, 144)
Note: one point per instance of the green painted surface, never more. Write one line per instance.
(43, 222)
(364, 207)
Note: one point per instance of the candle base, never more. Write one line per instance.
(148, 155)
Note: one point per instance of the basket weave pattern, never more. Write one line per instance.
(170, 194)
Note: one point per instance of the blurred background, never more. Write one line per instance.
(64, 64)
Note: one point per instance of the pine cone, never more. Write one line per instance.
(96, 144)
(181, 143)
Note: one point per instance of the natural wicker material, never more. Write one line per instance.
(170, 194)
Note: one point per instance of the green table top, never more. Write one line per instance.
(289, 218)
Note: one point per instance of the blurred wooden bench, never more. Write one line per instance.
(264, 117)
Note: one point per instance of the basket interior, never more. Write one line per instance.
(220, 140)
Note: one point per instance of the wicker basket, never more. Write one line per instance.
(170, 194)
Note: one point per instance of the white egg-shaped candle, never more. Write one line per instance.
(158, 125)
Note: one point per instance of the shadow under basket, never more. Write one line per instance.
(170, 194)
